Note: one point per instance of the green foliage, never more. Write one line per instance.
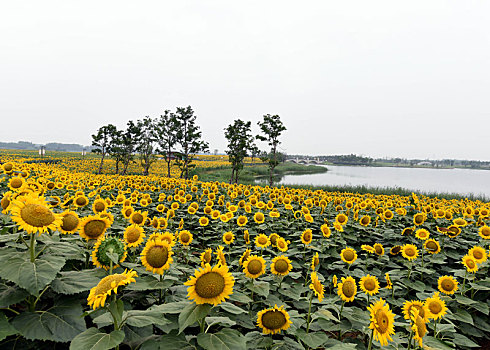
(271, 128)
(93, 339)
(225, 339)
(240, 144)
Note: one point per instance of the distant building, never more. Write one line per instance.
(424, 163)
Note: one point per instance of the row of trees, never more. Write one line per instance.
(177, 137)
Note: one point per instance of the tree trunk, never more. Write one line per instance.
(126, 164)
(117, 166)
(232, 173)
(169, 160)
(101, 163)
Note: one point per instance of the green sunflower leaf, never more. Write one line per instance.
(93, 339)
(191, 314)
(226, 339)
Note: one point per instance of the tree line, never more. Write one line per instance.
(177, 137)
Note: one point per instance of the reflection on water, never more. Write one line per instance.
(462, 181)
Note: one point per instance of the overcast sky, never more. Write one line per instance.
(378, 78)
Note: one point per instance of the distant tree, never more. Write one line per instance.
(130, 139)
(189, 139)
(254, 152)
(271, 129)
(102, 141)
(146, 144)
(116, 150)
(240, 141)
(166, 129)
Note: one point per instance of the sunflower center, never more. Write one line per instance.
(281, 266)
(421, 310)
(81, 201)
(478, 254)
(485, 231)
(70, 222)
(99, 206)
(435, 307)
(396, 250)
(470, 263)
(307, 236)
(382, 321)
(273, 319)
(447, 285)
(419, 219)
(94, 228)
(105, 284)
(378, 249)
(409, 251)
(348, 289)
(431, 246)
(132, 235)
(184, 237)
(37, 215)
(421, 328)
(349, 255)
(207, 257)
(138, 218)
(5, 203)
(254, 267)
(16, 183)
(369, 285)
(262, 240)
(228, 237)
(365, 221)
(210, 285)
(157, 256)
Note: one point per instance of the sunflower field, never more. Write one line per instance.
(150, 262)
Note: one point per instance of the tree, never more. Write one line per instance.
(116, 148)
(166, 129)
(130, 139)
(101, 141)
(240, 142)
(145, 146)
(271, 128)
(189, 139)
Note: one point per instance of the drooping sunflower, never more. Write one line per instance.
(470, 263)
(338, 226)
(447, 285)
(281, 265)
(93, 227)
(262, 241)
(422, 234)
(418, 326)
(315, 261)
(228, 237)
(316, 286)
(365, 220)
(246, 236)
(307, 237)
(395, 250)
(334, 281)
(410, 252)
(157, 255)
(407, 231)
(185, 237)
(220, 255)
(244, 256)
(409, 306)
(368, 248)
(70, 223)
(134, 235)
(484, 232)
(273, 238)
(273, 320)
(436, 307)
(432, 246)
(369, 285)
(109, 285)
(108, 245)
(282, 244)
(348, 255)
(127, 211)
(32, 214)
(347, 289)
(479, 254)
(254, 266)
(210, 285)
(259, 217)
(206, 257)
(325, 230)
(389, 284)
(460, 222)
(382, 321)
(378, 249)
(138, 217)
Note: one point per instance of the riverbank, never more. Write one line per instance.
(251, 173)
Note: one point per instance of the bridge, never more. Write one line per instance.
(304, 160)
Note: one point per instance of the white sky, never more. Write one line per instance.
(378, 78)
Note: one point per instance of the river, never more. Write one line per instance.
(461, 181)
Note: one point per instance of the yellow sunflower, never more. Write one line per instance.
(447, 285)
(127, 211)
(435, 307)
(254, 266)
(246, 236)
(206, 257)
(368, 248)
(407, 231)
(70, 223)
(210, 285)
(262, 241)
(244, 256)
(241, 220)
(382, 322)
(460, 222)
(409, 306)
(80, 201)
(17, 184)
(325, 230)
(315, 261)
(334, 281)
(307, 237)
(342, 219)
(316, 286)
(220, 255)
(419, 219)
(410, 252)
(259, 217)
(93, 227)
(422, 234)
(484, 232)
(389, 284)
(273, 320)
(157, 255)
(347, 289)
(418, 327)
(378, 249)
(365, 220)
(281, 265)
(470, 263)
(134, 235)
(109, 285)
(395, 250)
(185, 237)
(203, 221)
(99, 205)
(432, 246)
(32, 214)
(228, 237)
(282, 244)
(479, 254)
(138, 217)
(348, 255)
(369, 285)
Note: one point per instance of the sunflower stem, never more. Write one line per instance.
(371, 340)
(340, 320)
(110, 268)
(308, 319)
(410, 340)
(435, 328)
(464, 282)
(410, 270)
(32, 249)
